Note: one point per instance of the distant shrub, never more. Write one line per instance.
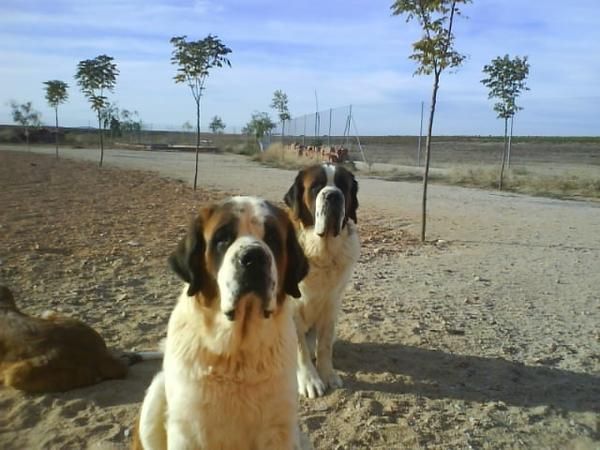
(9, 135)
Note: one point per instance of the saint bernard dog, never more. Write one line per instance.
(323, 203)
(228, 380)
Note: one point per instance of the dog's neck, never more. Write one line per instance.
(316, 246)
(234, 350)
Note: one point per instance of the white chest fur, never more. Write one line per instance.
(229, 391)
(331, 262)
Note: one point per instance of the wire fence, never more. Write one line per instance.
(332, 133)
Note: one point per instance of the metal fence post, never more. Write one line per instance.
(329, 132)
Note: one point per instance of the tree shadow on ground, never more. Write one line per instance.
(436, 374)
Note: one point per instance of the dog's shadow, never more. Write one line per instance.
(127, 391)
(399, 369)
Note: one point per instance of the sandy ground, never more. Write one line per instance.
(486, 339)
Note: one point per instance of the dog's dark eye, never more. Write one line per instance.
(222, 245)
(273, 239)
(316, 188)
(223, 238)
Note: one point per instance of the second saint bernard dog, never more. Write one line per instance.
(229, 372)
(323, 201)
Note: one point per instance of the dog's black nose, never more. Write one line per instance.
(254, 256)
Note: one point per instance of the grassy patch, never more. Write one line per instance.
(524, 181)
(517, 179)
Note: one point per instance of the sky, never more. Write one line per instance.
(331, 52)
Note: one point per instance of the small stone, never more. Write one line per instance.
(133, 244)
(372, 316)
(455, 331)
(321, 407)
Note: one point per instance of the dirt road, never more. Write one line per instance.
(488, 339)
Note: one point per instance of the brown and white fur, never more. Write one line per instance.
(54, 353)
(228, 379)
(323, 202)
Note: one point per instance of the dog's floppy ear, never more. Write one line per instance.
(293, 199)
(188, 259)
(297, 264)
(353, 200)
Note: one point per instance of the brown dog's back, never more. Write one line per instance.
(51, 354)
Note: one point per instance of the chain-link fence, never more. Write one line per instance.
(332, 133)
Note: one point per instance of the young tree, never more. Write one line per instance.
(110, 119)
(56, 93)
(260, 124)
(95, 76)
(131, 123)
(187, 126)
(434, 53)
(25, 116)
(280, 104)
(194, 60)
(505, 80)
(217, 125)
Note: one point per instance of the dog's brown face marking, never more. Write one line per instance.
(325, 189)
(242, 245)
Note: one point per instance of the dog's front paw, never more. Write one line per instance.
(309, 383)
(331, 379)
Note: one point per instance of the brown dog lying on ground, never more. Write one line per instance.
(54, 353)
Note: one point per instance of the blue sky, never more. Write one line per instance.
(350, 52)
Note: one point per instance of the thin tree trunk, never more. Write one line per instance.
(197, 140)
(27, 138)
(101, 140)
(428, 155)
(420, 137)
(510, 142)
(56, 129)
(504, 151)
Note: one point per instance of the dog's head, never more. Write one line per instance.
(242, 248)
(324, 196)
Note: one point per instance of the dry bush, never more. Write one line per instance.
(278, 155)
(474, 177)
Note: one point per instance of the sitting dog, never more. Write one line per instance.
(323, 203)
(228, 379)
(53, 353)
